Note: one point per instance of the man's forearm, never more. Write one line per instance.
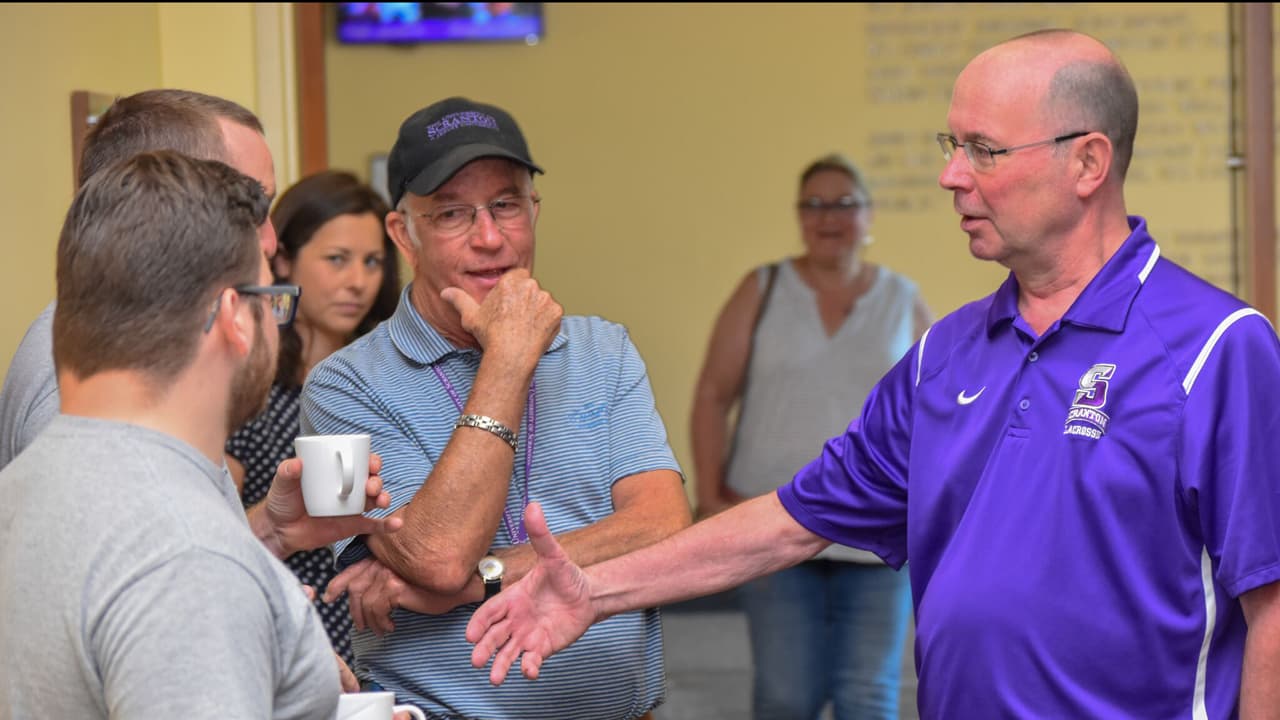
(651, 506)
(1259, 692)
(752, 539)
(451, 520)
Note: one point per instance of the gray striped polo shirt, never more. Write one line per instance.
(596, 423)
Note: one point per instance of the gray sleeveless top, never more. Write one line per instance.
(804, 387)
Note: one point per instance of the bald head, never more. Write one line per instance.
(1073, 82)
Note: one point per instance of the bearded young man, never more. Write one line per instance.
(131, 584)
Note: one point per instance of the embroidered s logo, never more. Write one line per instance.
(1093, 386)
(1085, 418)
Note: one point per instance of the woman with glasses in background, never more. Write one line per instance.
(332, 245)
(797, 348)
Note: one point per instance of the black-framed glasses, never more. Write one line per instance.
(817, 206)
(983, 157)
(508, 212)
(283, 301)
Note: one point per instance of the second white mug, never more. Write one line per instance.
(373, 706)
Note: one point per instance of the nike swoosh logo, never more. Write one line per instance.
(966, 399)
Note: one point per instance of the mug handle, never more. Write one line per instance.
(348, 474)
(412, 710)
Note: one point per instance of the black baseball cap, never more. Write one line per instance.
(438, 140)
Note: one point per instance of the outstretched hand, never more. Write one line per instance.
(282, 523)
(540, 615)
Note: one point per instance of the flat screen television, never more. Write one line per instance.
(407, 23)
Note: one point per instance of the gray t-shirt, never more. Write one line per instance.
(29, 399)
(132, 587)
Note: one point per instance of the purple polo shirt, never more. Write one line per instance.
(1081, 510)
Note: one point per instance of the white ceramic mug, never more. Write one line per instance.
(373, 706)
(334, 471)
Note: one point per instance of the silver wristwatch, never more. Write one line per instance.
(490, 569)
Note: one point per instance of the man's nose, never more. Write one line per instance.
(485, 231)
(956, 173)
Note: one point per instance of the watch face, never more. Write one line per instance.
(490, 568)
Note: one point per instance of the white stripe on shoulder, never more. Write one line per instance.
(1203, 357)
(920, 354)
(1198, 710)
(1151, 262)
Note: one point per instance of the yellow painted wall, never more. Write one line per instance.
(673, 134)
(209, 47)
(49, 50)
(46, 52)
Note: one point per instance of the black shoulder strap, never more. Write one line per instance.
(751, 350)
(764, 301)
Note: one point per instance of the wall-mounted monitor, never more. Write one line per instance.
(407, 23)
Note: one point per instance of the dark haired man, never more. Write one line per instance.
(480, 397)
(1082, 468)
(149, 596)
(194, 124)
(200, 126)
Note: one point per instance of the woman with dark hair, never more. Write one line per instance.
(333, 245)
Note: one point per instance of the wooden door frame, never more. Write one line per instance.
(313, 125)
(1257, 88)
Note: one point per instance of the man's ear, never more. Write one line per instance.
(1093, 156)
(235, 322)
(397, 227)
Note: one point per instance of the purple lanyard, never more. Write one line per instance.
(515, 529)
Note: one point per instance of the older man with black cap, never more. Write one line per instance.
(480, 397)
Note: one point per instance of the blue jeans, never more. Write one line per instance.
(827, 630)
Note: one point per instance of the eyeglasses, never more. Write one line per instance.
(284, 302)
(507, 212)
(983, 157)
(816, 206)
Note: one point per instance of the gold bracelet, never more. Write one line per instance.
(485, 422)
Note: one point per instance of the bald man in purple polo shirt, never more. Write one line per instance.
(1083, 467)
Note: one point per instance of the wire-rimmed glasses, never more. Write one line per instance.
(508, 212)
(983, 157)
